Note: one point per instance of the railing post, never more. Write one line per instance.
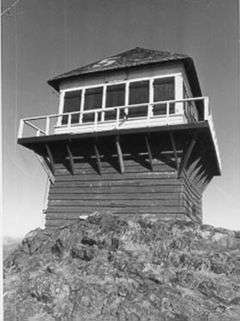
(117, 118)
(47, 125)
(20, 129)
(38, 132)
(69, 120)
(167, 111)
(126, 113)
(149, 112)
(206, 108)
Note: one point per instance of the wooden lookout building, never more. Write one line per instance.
(133, 135)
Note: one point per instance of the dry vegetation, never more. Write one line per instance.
(107, 268)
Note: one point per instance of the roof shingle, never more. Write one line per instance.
(127, 59)
(133, 57)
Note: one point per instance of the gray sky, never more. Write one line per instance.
(45, 38)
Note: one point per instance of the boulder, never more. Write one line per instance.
(110, 268)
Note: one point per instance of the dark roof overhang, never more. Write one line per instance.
(132, 59)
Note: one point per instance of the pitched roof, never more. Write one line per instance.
(127, 59)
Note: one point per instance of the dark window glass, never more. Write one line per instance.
(139, 92)
(115, 95)
(163, 90)
(72, 102)
(93, 100)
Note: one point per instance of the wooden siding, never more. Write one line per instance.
(150, 184)
(137, 191)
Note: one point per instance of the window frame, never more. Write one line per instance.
(177, 91)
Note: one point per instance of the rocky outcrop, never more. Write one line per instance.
(108, 268)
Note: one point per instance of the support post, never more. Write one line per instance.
(149, 152)
(174, 149)
(186, 156)
(71, 160)
(120, 155)
(47, 129)
(20, 130)
(50, 156)
(98, 160)
(46, 166)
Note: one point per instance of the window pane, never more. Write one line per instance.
(139, 92)
(163, 89)
(72, 102)
(115, 95)
(93, 98)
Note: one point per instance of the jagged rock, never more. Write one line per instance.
(109, 268)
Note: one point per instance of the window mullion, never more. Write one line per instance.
(126, 96)
(82, 105)
(151, 97)
(61, 106)
(104, 97)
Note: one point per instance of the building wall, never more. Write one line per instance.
(120, 75)
(138, 190)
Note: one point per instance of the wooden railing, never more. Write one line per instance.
(168, 109)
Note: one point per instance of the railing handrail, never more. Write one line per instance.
(34, 127)
(95, 112)
(115, 108)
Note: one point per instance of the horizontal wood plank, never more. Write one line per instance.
(114, 203)
(122, 209)
(116, 176)
(108, 196)
(119, 189)
(138, 168)
(112, 183)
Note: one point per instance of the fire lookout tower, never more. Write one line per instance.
(133, 135)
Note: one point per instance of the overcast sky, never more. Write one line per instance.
(44, 38)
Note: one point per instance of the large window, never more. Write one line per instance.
(115, 97)
(138, 94)
(93, 100)
(163, 89)
(72, 102)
